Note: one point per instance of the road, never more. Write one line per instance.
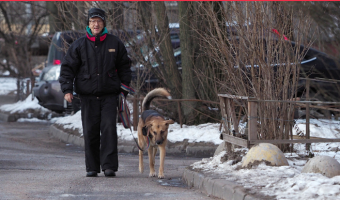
(34, 165)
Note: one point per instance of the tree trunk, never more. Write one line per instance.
(188, 88)
(169, 63)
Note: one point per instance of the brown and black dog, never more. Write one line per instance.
(153, 132)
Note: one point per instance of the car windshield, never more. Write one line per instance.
(52, 74)
(59, 45)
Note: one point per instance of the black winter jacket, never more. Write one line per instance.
(97, 66)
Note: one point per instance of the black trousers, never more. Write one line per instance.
(98, 116)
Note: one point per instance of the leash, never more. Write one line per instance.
(137, 141)
(124, 114)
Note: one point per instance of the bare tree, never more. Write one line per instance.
(169, 68)
(21, 23)
(249, 59)
(187, 57)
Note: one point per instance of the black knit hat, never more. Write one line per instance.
(96, 12)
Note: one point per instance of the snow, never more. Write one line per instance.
(32, 120)
(201, 133)
(285, 182)
(22, 106)
(7, 85)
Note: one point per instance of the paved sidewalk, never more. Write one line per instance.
(207, 183)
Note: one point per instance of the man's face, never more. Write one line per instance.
(96, 25)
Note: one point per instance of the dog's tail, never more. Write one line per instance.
(158, 92)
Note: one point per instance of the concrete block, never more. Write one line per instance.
(70, 139)
(239, 193)
(174, 151)
(208, 185)
(265, 152)
(61, 135)
(80, 142)
(251, 197)
(200, 151)
(8, 117)
(125, 149)
(188, 177)
(223, 189)
(324, 165)
(66, 137)
(198, 180)
(3, 117)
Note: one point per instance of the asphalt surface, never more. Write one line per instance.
(34, 165)
(40, 161)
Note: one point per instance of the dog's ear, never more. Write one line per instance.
(170, 121)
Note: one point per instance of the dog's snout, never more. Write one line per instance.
(158, 142)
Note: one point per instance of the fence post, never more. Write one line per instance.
(307, 114)
(231, 109)
(225, 121)
(179, 113)
(252, 121)
(28, 87)
(135, 113)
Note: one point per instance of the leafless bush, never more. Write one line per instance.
(247, 58)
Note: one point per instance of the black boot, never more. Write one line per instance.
(109, 173)
(91, 174)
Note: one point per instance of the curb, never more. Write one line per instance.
(178, 148)
(14, 117)
(8, 118)
(65, 137)
(216, 187)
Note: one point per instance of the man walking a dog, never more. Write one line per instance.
(98, 67)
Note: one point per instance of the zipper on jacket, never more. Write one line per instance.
(96, 42)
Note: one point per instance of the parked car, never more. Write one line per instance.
(150, 79)
(138, 44)
(47, 90)
(320, 66)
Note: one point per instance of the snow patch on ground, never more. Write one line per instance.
(22, 106)
(8, 85)
(201, 133)
(285, 182)
(32, 120)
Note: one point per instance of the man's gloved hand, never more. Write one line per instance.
(126, 90)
